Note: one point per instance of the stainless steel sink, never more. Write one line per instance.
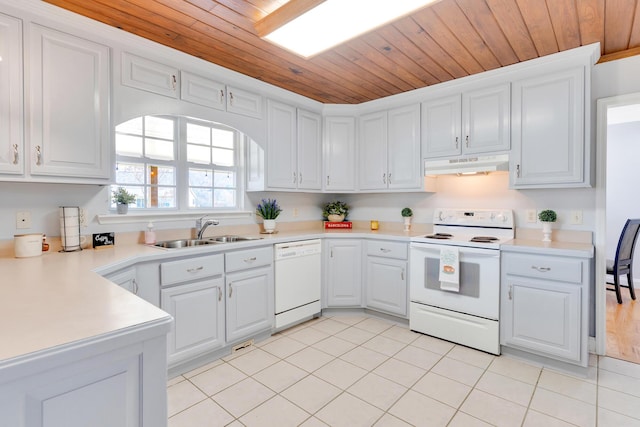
(230, 239)
(184, 243)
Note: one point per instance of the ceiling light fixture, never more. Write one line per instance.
(308, 27)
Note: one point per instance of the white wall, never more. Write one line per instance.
(623, 174)
(615, 78)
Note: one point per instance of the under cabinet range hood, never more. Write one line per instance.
(467, 165)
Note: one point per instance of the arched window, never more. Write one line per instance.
(178, 163)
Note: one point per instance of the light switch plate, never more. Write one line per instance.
(576, 217)
(532, 215)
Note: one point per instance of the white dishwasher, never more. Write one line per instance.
(297, 281)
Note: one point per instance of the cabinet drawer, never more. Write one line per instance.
(189, 269)
(250, 258)
(543, 267)
(387, 249)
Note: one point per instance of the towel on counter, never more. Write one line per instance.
(449, 269)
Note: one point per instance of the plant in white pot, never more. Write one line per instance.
(335, 211)
(547, 217)
(122, 198)
(407, 213)
(268, 210)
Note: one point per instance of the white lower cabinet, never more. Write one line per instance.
(343, 272)
(386, 277)
(544, 305)
(125, 278)
(192, 292)
(198, 310)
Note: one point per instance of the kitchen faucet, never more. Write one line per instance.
(203, 223)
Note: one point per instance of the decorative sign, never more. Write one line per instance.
(104, 240)
(333, 225)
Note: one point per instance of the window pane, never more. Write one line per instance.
(200, 178)
(127, 145)
(158, 127)
(224, 198)
(133, 126)
(198, 134)
(198, 154)
(200, 198)
(162, 197)
(222, 138)
(222, 157)
(161, 175)
(225, 179)
(159, 149)
(129, 173)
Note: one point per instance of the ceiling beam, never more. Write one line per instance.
(287, 13)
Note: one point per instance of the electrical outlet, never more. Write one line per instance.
(23, 219)
(532, 215)
(576, 217)
(295, 212)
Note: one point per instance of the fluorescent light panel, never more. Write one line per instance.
(336, 21)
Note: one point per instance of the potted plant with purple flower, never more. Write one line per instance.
(268, 210)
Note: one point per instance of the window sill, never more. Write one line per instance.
(137, 217)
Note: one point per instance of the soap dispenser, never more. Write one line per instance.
(150, 234)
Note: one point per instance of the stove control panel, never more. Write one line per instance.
(502, 218)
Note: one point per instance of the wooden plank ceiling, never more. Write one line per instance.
(447, 40)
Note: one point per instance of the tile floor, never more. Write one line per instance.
(358, 370)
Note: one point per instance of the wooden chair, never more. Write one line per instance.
(623, 263)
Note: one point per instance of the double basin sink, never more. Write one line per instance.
(188, 243)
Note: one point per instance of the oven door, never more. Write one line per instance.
(479, 290)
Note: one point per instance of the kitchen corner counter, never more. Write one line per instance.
(549, 248)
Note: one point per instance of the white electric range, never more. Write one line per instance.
(464, 309)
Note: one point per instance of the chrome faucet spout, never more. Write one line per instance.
(203, 223)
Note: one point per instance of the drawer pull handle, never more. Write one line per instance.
(193, 270)
(385, 250)
(219, 294)
(250, 259)
(230, 289)
(541, 269)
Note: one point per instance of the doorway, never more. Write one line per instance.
(617, 325)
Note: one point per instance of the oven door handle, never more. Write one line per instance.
(463, 250)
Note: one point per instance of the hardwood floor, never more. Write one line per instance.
(623, 327)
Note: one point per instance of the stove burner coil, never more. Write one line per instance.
(441, 236)
(483, 239)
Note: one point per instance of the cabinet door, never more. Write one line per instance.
(386, 285)
(542, 316)
(441, 127)
(202, 91)
(548, 130)
(69, 105)
(309, 132)
(486, 115)
(339, 154)
(198, 312)
(250, 306)
(373, 152)
(11, 101)
(242, 102)
(281, 150)
(142, 73)
(403, 151)
(344, 273)
(125, 279)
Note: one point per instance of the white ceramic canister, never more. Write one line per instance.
(27, 245)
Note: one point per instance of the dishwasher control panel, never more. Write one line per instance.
(297, 249)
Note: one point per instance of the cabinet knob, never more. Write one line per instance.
(300, 178)
(135, 286)
(230, 289)
(295, 178)
(174, 82)
(389, 178)
(15, 154)
(510, 291)
(38, 155)
(221, 95)
(327, 180)
(518, 171)
(467, 141)
(402, 274)
(230, 98)
(219, 294)
(384, 178)
(456, 142)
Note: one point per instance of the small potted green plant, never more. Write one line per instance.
(547, 217)
(122, 198)
(407, 213)
(335, 211)
(268, 210)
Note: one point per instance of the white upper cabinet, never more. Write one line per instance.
(202, 91)
(294, 148)
(477, 121)
(339, 157)
(11, 101)
(390, 149)
(548, 131)
(243, 102)
(69, 105)
(142, 73)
